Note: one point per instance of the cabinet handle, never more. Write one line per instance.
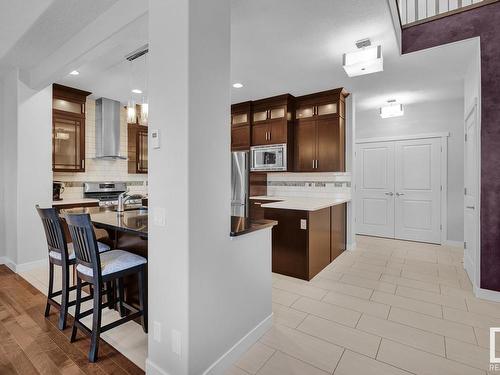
(314, 164)
(270, 135)
(399, 194)
(390, 193)
(83, 163)
(257, 203)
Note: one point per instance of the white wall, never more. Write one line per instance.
(429, 117)
(2, 177)
(34, 168)
(210, 288)
(9, 158)
(27, 176)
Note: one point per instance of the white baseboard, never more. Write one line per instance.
(23, 267)
(350, 246)
(454, 243)
(8, 263)
(487, 294)
(228, 358)
(469, 268)
(154, 369)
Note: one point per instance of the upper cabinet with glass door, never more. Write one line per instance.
(68, 129)
(272, 120)
(327, 103)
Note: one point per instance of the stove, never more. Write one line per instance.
(106, 192)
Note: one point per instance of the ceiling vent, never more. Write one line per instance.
(137, 53)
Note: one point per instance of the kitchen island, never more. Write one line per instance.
(310, 234)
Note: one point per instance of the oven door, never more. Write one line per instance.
(269, 158)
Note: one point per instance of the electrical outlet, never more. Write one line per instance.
(303, 224)
(159, 216)
(176, 342)
(157, 331)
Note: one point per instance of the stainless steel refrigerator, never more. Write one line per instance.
(239, 183)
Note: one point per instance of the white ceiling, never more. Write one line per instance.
(277, 46)
(49, 25)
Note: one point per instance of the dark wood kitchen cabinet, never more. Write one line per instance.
(137, 148)
(272, 120)
(301, 241)
(68, 129)
(320, 132)
(338, 230)
(240, 126)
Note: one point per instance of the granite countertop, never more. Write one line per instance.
(244, 225)
(74, 201)
(134, 221)
(300, 203)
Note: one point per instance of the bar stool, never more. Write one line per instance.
(61, 254)
(99, 269)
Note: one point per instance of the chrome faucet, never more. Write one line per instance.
(123, 198)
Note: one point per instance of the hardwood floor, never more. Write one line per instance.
(32, 344)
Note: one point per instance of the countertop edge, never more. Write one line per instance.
(255, 226)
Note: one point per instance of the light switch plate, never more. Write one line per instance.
(176, 342)
(155, 138)
(159, 216)
(303, 224)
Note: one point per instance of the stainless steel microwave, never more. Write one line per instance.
(268, 158)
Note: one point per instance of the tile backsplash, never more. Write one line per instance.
(318, 185)
(99, 169)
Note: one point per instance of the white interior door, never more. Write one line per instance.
(471, 196)
(418, 190)
(375, 189)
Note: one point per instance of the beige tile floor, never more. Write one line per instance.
(389, 307)
(129, 338)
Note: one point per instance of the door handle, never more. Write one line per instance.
(399, 194)
(390, 193)
(471, 207)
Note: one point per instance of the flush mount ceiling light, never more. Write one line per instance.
(366, 60)
(137, 91)
(392, 109)
(74, 72)
(237, 85)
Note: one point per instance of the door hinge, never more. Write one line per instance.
(465, 137)
(441, 187)
(441, 148)
(441, 226)
(465, 191)
(465, 245)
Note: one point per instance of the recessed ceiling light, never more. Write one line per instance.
(237, 85)
(137, 91)
(74, 72)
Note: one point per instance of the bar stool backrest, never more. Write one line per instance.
(56, 241)
(84, 241)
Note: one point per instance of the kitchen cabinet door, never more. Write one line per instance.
(68, 143)
(305, 145)
(240, 138)
(260, 134)
(328, 145)
(277, 132)
(142, 151)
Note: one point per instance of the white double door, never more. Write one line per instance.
(398, 189)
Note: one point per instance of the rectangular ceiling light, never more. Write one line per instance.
(392, 110)
(363, 61)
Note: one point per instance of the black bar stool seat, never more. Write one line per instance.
(99, 270)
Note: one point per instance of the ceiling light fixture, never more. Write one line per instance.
(237, 85)
(393, 109)
(366, 60)
(74, 72)
(137, 91)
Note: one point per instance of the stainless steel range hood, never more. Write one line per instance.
(107, 129)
